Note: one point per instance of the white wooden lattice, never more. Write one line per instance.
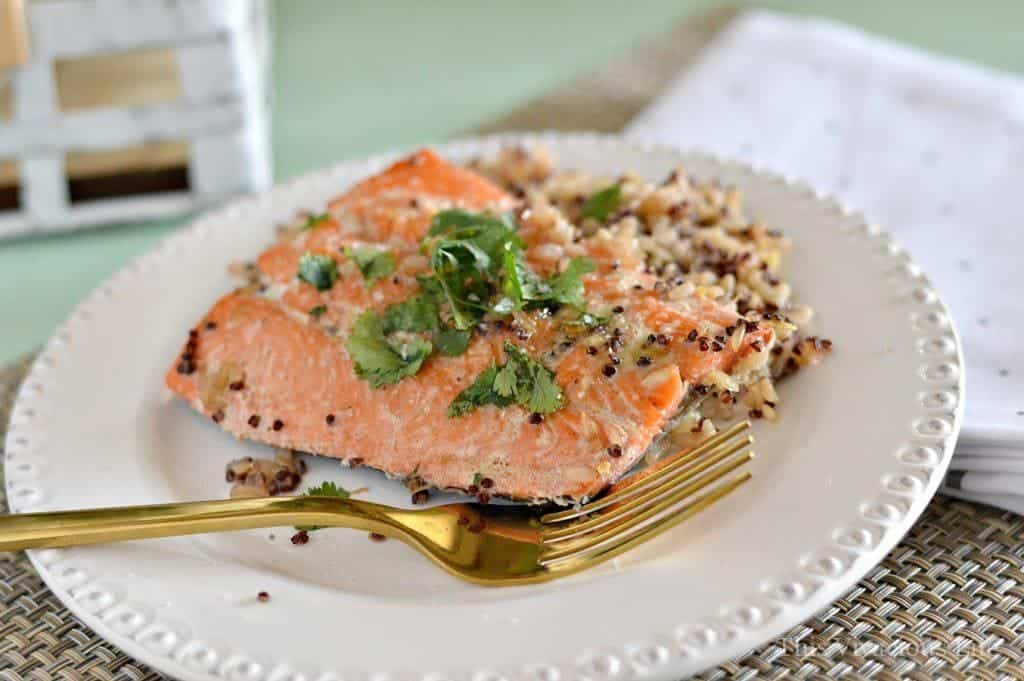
(222, 50)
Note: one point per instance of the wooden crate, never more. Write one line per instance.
(132, 109)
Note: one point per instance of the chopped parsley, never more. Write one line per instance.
(318, 270)
(374, 264)
(380, 360)
(603, 203)
(521, 380)
(314, 220)
(317, 311)
(326, 489)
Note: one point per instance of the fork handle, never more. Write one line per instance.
(96, 526)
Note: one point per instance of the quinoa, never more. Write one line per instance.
(695, 237)
(252, 477)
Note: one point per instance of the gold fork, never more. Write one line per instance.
(487, 544)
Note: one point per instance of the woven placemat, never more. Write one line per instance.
(948, 602)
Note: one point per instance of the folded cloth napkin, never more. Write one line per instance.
(931, 148)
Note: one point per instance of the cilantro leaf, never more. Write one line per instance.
(314, 220)
(524, 288)
(420, 313)
(521, 284)
(451, 342)
(492, 235)
(318, 270)
(505, 381)
(601, 204)
(415, 313)
(373, 263)
(477, 394)
(317, 310)
(447, 220)
(521, 380)
(379, 361)
(326, 489)
(535, 387)
(462, 270)
(467, 260)
(567, 287)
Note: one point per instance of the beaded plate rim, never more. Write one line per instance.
(877, 526)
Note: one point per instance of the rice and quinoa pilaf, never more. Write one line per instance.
(694, 236)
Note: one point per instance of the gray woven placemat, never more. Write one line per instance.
(947, 602)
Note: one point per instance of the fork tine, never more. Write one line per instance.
(594, 555)
(645, 498)
(623, 528)
(633, 486)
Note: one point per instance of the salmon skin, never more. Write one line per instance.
(272, 361)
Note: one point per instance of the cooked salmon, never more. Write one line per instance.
(273, 362)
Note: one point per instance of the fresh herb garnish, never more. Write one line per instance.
(374, 264)
(600, 205)
(380, 361)
(521, 380)
(467, 259)
(416, 313)
(463, 273)
(317, 310)
(477, 268)
(420, 313)
(521, 284)
(478, 393)
(326, 489)
(567, 287)
(314, 220)
(446, 221)
(523, 288)
(452, 342)
(318, 270)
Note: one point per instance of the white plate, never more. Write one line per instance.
(863, 442)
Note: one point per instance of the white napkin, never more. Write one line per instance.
(931, 148)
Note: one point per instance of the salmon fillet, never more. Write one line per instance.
(270, 362)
